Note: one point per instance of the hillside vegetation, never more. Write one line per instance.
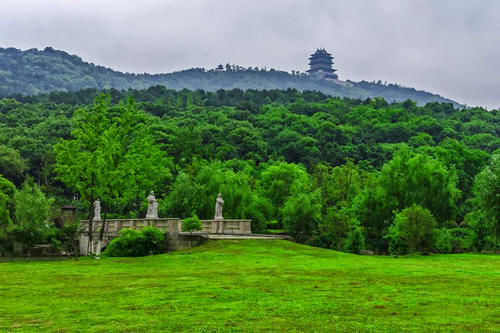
(253, 286)
(337, 173)
(41, 71)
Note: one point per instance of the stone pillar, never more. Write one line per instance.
(83, 244)
(245, 227)
(221, 226)
(173, 226)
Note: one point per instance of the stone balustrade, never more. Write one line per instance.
(227, 226)
(172, 226)
(114, 225)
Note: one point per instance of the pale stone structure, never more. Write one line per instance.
(218, 207)
(97, 210)
(152, 207)
(175, 239)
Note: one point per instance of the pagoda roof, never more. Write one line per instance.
(321, 53)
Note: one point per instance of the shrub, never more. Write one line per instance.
(191, 224)
(32, 211)
(66, 238)
(136, 243)
(355, 241)
(480, 227)
(443, 241)
(456, 240)
(412, 231)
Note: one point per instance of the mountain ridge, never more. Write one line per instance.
(34, 71)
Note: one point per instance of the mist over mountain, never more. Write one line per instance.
(36, 71)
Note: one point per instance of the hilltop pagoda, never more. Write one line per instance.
(320, 65)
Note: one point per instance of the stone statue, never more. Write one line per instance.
(218, 207)
(152, 206)
(97, 211)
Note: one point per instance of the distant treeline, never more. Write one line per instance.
(42, 71)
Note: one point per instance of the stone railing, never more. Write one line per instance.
(172, 226)
(114, 225)
(242, 227)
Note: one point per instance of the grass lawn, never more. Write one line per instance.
(253, 285)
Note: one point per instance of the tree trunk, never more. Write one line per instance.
(90, 247)
(101, 232)
(496, 243)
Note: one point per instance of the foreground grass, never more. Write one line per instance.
(253, 285)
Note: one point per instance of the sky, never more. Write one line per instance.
(449, 47)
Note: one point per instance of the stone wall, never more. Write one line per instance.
(177, 242)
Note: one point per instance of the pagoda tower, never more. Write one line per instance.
(320, 65)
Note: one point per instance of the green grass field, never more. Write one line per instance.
(253, 286)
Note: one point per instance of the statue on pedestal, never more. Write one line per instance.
(218, 207)
(152, 206)
(97, 211)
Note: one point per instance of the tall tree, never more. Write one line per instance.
(406, 180)
(112, 156)
(487, 194)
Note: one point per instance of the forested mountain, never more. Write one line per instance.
(41, 71)
(333, 172)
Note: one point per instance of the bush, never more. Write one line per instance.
(478, 223)
(443, 241)
(136, 243)
(412, 231)
(456, 240)
(191, 224)
(355, 241)
(32, 212)
(66, 238)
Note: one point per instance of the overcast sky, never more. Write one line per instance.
(447, 47)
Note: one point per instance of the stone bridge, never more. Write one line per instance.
(171, 226)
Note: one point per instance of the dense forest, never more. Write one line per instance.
(42, 71)
(339, 173)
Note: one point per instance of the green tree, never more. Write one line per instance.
(112, 156)
(235, 188)
(334, 229)
(182, 200)
(487, 195)
(7, 204)
(412, 231)
(406, 180)
(281, 181)
(32, 225)
(355, 241)
(301, 215)
(8, 189)
(12, 165)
